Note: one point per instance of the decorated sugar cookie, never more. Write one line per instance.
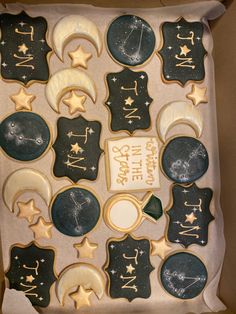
(128, 100)
(24, 48)
(77, 149)
(189, 215)
(24, 136)
(128, 268)
(184, 159)
(86, 248)
(22, 100)
(32, 271)
(75, 211)
(80, 57)
(28, 210)
(198, 95)
(130, 40)
(132, 163)
(42, 229)
(182, 51)
(160, 248)
(183, 275)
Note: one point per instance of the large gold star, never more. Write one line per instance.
(130, 269)
(22, 100)
(184, 50)
(86, 248)
(190, 218)
(129, 101)
(198, 95)
(23, 48)
(29, 278)
(81, 297)
(42, 229)
(27, 210)
(75, 148)
(80, 57)
(75, 103)
(160, 248)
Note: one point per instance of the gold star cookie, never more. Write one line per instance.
(80, 57)
(22, 100)
(75, 103)
(198, 95)
(86, 248)
(81, 297)
(42, 229)
(27, 210)
(160, 248)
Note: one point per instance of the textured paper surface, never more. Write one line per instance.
(14, 230)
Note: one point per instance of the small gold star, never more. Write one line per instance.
(130, 269)
(42, 229)
(184, 50)
(30, 278)
(190, 218)
(22, 100)
(81, 297)
(75, 148)
(80, 57)
(27, 210)
(198, 95)
(75, 103)
(160, 248)
(23, 48)
(129, 101)
(85, 248)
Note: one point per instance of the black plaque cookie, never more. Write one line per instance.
(32, 271)
(24, 136)
(129, 267)
(128, 100)
(24, 48)
(184, 159)
(75, 211)
(189, 215)
(182, 52)
(183, 275)
(130, 40)
(77, 149)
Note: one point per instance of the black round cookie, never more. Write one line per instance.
(130, 40)
(184, 159)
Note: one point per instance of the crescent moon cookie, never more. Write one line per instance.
(128, 268)
(24, 49)
(182, 52)
(128, 101)
(32, 271)
(130, 40)
(72, 26)
(24, 136)
(132, 163)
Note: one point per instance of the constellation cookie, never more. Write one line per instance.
(128, 100)
(184, 159)
(178, 112)
(24, 136)
(124, 212)
(130, 40)
(77, 149)
(32, 271)
(24, 48)
(75, 211)
(128, 268)
(132, 163)
(183, 275)
(182, 52)
(189, 215)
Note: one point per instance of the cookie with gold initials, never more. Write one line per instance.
(24, 49)
(32, 271)
(128, 267)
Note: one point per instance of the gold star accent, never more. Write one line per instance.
(85, 248)
(130, 269)
(42, 229)
(75, 148)
(30, 278)
(75, 103)
(81, 297)
(160, 248)
(129, 101)
(22, 100)
(190, 218)
(27, 210)
(184, 50)
(23, 48)
(198, 95)
(80, 57)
